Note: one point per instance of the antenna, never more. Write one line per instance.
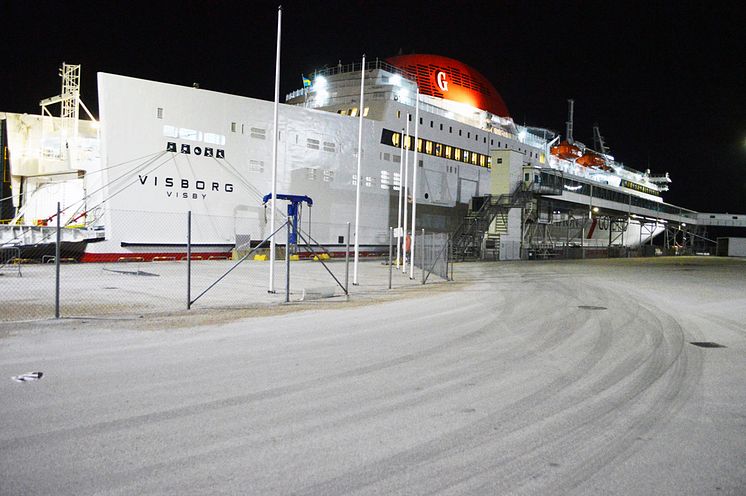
(570, 105)
(598, 140)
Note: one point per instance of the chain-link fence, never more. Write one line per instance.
(429, 257)
(148, 270)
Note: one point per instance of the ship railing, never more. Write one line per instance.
(356, 67)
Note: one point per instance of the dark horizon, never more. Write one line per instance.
(663, 81)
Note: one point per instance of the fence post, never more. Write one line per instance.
(57, 267)
(189, 260)
(391, 240)
(347, 262)
(450, 256)
(422, 257)
(287, 265)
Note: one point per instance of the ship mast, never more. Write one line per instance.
(568, 133)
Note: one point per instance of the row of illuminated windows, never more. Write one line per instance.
(436, 149)
(640, 188)
(531, 153)
(353, 112)
(193, 135)
(612, 195)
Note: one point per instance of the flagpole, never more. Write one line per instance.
(416, 166)
(359, 166)
(406, 193)
(273, 200)
(401, 188)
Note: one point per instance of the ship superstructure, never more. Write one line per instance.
(161, 150)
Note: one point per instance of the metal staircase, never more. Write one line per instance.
(469, 242)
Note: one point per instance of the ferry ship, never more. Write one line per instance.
(126, 181)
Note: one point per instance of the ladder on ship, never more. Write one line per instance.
(470, 239)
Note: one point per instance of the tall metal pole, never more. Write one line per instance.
(406, 194)
(401, 189)
(391, 241)
(347, 262)
(359, 167)
(189, 260)
(422, 256)
(415, 166)
(57, 266)
(273, 200)
(287, 264)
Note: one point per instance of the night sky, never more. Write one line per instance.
(666, 81)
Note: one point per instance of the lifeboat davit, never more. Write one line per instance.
(592, 159)
(566, 150)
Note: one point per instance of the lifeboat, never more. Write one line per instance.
(566, 150)
(592, 159)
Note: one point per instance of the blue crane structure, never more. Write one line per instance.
(295, 202)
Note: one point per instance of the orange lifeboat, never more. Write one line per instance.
(591, 159)
(566, 150)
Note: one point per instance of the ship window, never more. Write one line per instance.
(420, 163)
(468, 135)
(499, 160)
(395, 137)
(310, 173)
(353, 112)
(438, 150)
(328, 176)
(387, 156)
(457, 153)
(330, 147)
(420, 121)
(233, 127)
(385, 179)
(409, 117)
(492, 142)
(489, 162)
(450, 129)
(190, 134)
(214, 139)
(474, 158)
(311, 143)
(459, 132)
(398, 114)
(448, 151)
(159, 113)
(241, 128)
(485, 140)
(256, 166)
(482, 160)
(171, 131)
(441, 126)
(340, 239)
(369, 181)
(466, 156)
(397, 182)
(354, 179)
(429, 147)
(259, 133)
(365, 111)
(396, 158)
(419, 145)
(432, 123)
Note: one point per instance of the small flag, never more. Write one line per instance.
(306, 81)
